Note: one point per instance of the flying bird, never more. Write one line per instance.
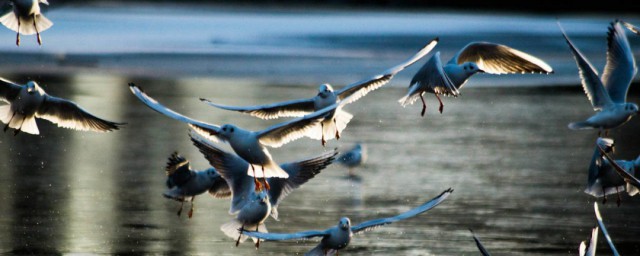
(249, 145)
(25, 18)
(184, 183)
(607, 93)
(475, 57)
(251, 216)
(353, 158)
(608, 176)
(29, 101)
(336, 121)
(339, 236)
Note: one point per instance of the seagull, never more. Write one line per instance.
(184, 184)
(605, 233)
(251, 216)
(479, 244)
(353, 158)
(607, 93)
(249, 145)
(475, 57)
(589, 249)
(28, 101)
(233, 169)
(338, 237)
(604, 178)
(632, 28)
(333, 124)
(25, 18)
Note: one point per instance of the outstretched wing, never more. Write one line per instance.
(299, 173)
(591, 83)
(479, 245)
(287, 236)
(293, 108)
(604, 229)
(500, 59)
(625, 175)
(621, 66)
(432, 78)
(8, 90)
(231, 167)
(209, 130)
(631, 27)
(178, 170)
(369, 225)
(361, 88)
(68, 114)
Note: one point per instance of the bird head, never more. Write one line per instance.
(32, 87)
(345, 223)
(324, 90)
(631, 108)
(212, 173)
(472, 68)
(228, 130)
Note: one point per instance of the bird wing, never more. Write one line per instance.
(479, 245)
(287, 236)
(361, 88)
(231, 167)
(591, 83)
(597, 161)
(205, 129)
(625, 175)
(371, 224)
(220, 189)
(178, 170)
(68, 114)
(500, 59)
(299, 173)
(604, 230)
(632, 28)
(8, 90)
(621, 66)
(285, 132)
(432, 76)
(293, 108)
(589, 249)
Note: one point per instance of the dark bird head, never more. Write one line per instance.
(325, 90)
(345, 223)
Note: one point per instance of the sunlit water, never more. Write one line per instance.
(517, 171)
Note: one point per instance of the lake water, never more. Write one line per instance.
(518, 172)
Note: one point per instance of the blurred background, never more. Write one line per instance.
(503, 145)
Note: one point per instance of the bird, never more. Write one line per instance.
(631, 27)
(29, 101)
(608, 92)
(353, 158)
(339, 236)
(481, 248)
(333, 124)
(475, 57)
(184, 184)
(603, 177)
(249, 145)
(232, 169)
(251, 216)
(25, 18)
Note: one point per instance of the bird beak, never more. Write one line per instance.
(481, 71)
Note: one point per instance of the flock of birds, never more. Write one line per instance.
(257, 184)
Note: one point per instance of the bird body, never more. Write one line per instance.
(26, 18)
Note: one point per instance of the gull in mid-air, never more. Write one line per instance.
(608, 176)
(249, 145)
(25, 18)
(353, 158)
(483, 57)
(28, 101)
(233, 170)
(251, 216)
(338, 237)
(184, 184)
(333, 124)
(607, 93)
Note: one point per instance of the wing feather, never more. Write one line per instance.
(68, 114)
(501, 59)
(8, 90)
(621, 66)
(605, 233)
(293, 108)
(286, 236)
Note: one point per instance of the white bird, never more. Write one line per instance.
(338, 237)
(249, 145)
(25, 18)
(353, 157)
(184, 184)
(251, 216)
(632, 28)
(604, 173)
(26, 102)
(484, 57)
(232, 169)
(333, 124)
(481, 248)
(607, 93)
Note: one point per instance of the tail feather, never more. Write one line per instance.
(29, 126)
(25, 27)
(232, 230)
(580, 125)
(411, 97)
(10, 21)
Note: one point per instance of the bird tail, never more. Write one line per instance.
(10, 20)
(411, 96)
(18, 121)
(580, 125)
(232, 230)
(268, 170)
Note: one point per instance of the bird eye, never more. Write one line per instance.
(231, 129)
(224, 129)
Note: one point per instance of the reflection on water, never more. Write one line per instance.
(517, 171)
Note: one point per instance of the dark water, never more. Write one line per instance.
(517, 171)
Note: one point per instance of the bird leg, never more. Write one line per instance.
(181, 205)
(619, 199)
(337, 133)
(18, 33)
(266, 183)
(604, 194)
(258, 241)
(424, 106)
(323, 141)
(18, 130)
(37, 32)
(11, 119)
(255, 179)
(238, 241)
(190, 213)
(441, 108)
